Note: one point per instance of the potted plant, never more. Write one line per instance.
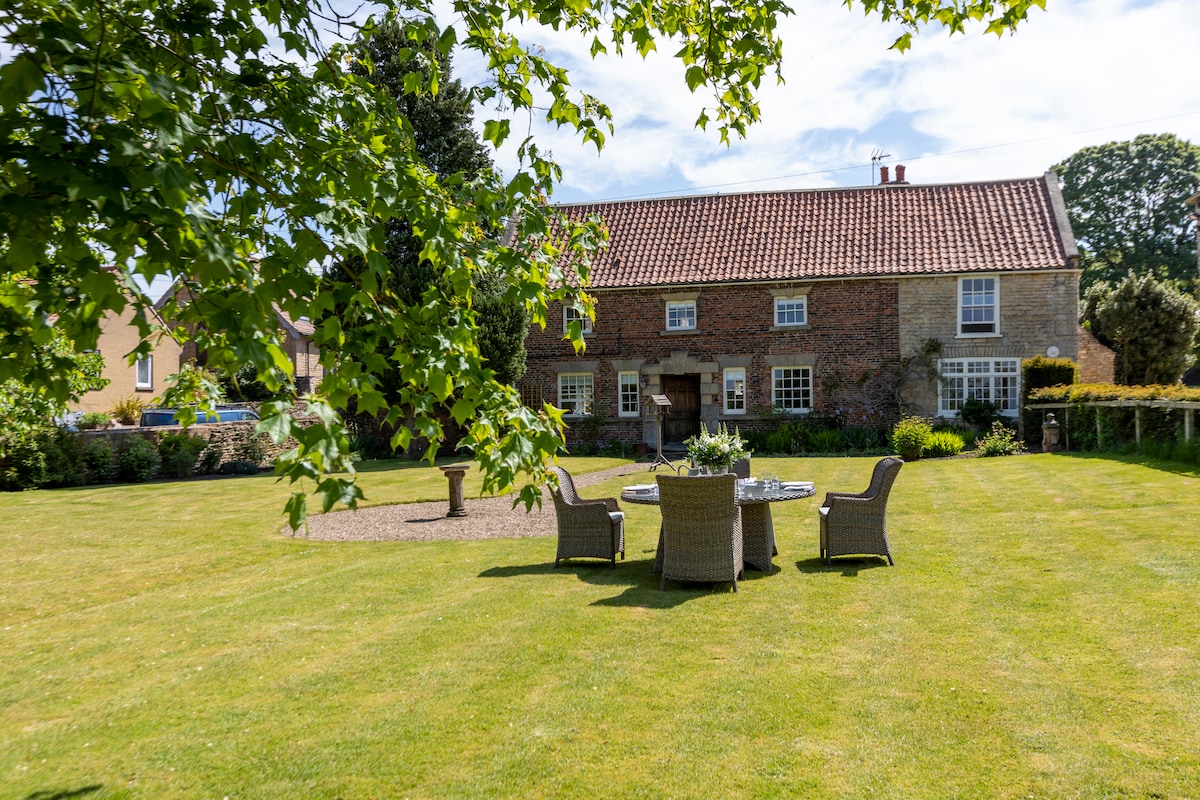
(716, 452)
(93, 420)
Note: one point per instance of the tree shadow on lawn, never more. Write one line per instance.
(847, 567)
(637, 575)
(1162, 465)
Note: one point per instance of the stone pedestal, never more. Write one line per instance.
(1050, 435)
(454, 474)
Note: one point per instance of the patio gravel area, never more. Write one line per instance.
(487, 517)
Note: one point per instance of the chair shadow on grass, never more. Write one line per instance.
(637, 575)
(64, 794)
(848, 567)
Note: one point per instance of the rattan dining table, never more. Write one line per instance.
(758, 528)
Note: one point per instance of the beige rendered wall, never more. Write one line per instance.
(1038, 310)
(118, 336)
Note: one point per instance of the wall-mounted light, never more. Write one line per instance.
(645, 381)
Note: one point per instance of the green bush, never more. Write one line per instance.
(829, 440)
(210, 460)
(863, 439)
(910, 436)
(63, 451)
(239, 468)
(943, 443)
(979, 414)
(790, 438)
(1002, 441)
(92, 420)
(179, 453)
(22, 465)
(100, 460)
(138, 461)
(371, 447)
(615, 448)
(252, 450)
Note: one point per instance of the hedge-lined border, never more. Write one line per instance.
(1110, 392)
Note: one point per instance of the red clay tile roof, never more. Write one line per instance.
(873, 231)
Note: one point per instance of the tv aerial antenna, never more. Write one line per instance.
(877, 156)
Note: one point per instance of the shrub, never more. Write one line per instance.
(210, 460)
(100, 460)
(371, 447)
(829, 440)
(179, 453)
(128, 410)
(252, 450)
(944, 443)
(614, 448)
(92, 420)
(239, 468)
(139, 461)
(1002, 441)
(978, 413)
(63, 451)
(910, 436)
(863, 439)
(22, 465)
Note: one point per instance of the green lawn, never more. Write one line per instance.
(1036, 638)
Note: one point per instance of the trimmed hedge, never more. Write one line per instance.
(1037, 373)
(1100, 392)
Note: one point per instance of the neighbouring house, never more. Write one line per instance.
(145, 379)
(296, 338)
(858, 303)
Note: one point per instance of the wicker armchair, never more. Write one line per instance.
(587, 528)
(856, 524)
(701, 529)
(741, 468)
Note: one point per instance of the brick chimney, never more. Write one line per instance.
(900, 174)
(883, 175)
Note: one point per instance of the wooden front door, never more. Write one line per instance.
(683, 421)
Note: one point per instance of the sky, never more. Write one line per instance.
(953, 108)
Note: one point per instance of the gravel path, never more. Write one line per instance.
(487, 518)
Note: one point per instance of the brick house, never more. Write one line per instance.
(853, 303)
(145, 379)
(295, 338)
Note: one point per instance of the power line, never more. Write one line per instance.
(927, 156)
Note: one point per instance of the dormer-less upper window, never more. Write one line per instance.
(681, 315)
(572, 314)
(791, 310)
(978, 307)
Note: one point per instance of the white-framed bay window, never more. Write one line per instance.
(575, 392)
(144, 377)
(791, 389)
(791, 311)
(735, 390)
(681, 315)
(978, 307)
(990, 380)
(630, 396)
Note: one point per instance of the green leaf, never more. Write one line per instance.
(19, 79)
(496, 131)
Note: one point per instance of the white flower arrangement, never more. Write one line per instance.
(716, 450)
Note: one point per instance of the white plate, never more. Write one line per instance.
(641, 488)
(797, 484)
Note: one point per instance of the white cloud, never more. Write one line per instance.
(956, 108)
